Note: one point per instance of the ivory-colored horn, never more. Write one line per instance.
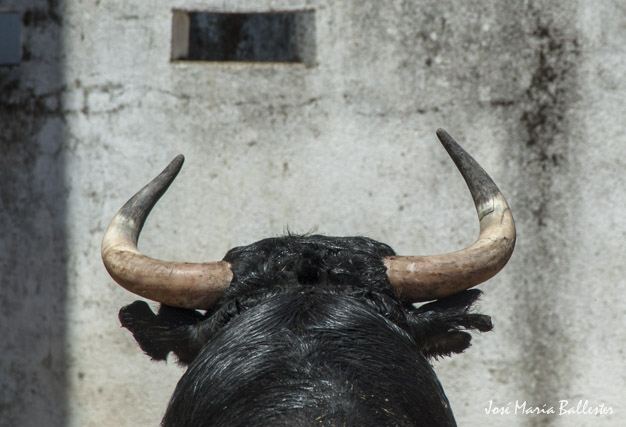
(423, 278)
(179, 284)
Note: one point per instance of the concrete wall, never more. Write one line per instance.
(34, 274)
(533, 89)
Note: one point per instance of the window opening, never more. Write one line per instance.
(252, 37)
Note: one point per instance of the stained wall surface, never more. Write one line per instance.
(342, 144)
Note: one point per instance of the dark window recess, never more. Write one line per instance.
(10, 44)
(255, 37)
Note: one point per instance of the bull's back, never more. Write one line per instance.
(309, 358)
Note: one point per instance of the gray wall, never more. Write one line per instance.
(34, 273)
(534, 90)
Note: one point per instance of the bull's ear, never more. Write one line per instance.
(439, 326)
(446, 344)
(171, 330)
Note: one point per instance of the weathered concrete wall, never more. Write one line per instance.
(33, 242)
(346, 146)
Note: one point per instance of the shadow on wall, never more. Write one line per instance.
(32, 219)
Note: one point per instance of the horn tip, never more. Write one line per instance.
(174, 166)
(179, 160)
(441, 132)
(444, 137)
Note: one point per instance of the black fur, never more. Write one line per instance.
(310, 332)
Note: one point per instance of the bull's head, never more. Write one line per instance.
(416, 278)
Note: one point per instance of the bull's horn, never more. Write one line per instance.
(423, 278)
(187, 285)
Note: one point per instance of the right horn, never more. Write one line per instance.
(424, 278)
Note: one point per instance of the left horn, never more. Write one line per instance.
(424, 278)
(179, 284)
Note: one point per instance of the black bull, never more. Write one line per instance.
(309, 330)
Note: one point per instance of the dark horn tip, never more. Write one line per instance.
(442, 133)
(165, 178)
(177, 162)
(448, 142)
(139, 206)
(480, 184)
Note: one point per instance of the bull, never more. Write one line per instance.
(309, 329)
